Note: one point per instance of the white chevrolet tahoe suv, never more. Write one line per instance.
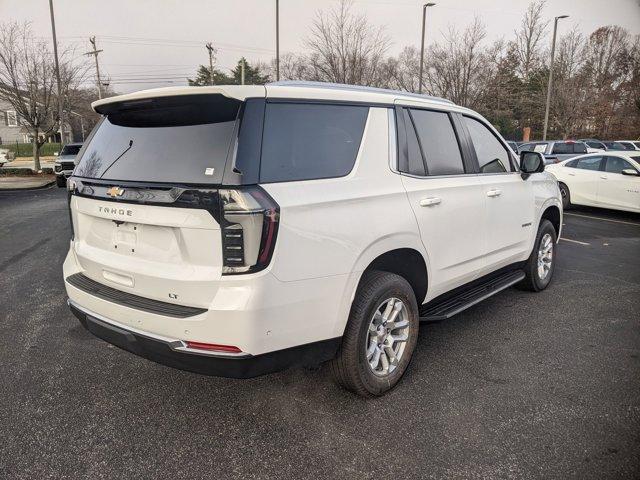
(240, 230)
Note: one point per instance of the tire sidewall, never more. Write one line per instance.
(545, 228)
(566, 197)
(392, 288)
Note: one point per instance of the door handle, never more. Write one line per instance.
(604, 177)
(494, 193)
(572, 174)
(430, 201)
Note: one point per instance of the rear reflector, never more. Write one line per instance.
(212, 347)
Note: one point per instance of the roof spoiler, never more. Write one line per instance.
(238, 92)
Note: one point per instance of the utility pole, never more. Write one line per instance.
(95, 53)
(277, 40)
(553, 51)
(55, 55)
(211, 54)
(242, 63)
(424, 16)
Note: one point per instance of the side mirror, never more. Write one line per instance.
(531, 162)
(630, 172)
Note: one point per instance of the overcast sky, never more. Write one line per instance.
(144, 40)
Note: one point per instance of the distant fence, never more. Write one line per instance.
(26, 149)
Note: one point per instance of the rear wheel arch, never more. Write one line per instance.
(407, 263)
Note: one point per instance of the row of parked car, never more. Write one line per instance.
(556, 151)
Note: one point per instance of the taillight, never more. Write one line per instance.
(71, 187)
(249, 223)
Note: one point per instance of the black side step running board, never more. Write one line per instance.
(446, 308)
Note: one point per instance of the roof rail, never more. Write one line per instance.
(356, 88)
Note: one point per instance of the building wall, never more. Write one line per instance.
(9, 134)
(13, 134)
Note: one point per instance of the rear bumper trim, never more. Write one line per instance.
(130, 300)
(174, 353)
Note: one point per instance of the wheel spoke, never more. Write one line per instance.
(388, 309)
(377, 320)
(376, 358)
(372, 349)
(399, 338)
(393, 360)
(395, 325)
(385, 362)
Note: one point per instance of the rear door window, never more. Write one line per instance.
(310, 141)
(416, 162)
(492, 155)
(438, 142)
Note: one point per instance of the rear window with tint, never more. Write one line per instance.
(438, 141)
(70, 150)
(310, 141)
(173, 139)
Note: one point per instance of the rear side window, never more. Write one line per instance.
(310, 141)
(589, 163)
(438, 141)
(493, 157)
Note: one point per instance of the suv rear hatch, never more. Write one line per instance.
(149, 214)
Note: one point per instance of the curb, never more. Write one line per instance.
(46, 185)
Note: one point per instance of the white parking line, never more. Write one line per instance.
(574, 241)
(605, 219)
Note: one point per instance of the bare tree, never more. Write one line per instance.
(401, 72)
(528, 41)
(458, 69)
(345, 48)
(27, 82)
(570, 99)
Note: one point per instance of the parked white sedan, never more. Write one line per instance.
(610, 180)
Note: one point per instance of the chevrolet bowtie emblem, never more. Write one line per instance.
(115, 191)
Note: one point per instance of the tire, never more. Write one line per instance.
(538, 276)
(376, 301)
(61, 181)
(566, 196)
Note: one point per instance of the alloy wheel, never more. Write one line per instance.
(545, 256)
(388, 333)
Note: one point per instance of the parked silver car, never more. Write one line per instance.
(555, 151)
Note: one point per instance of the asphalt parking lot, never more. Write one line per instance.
(520, 386)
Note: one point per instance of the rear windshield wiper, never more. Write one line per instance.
(119, 157)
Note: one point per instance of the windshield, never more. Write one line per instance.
(170, 140)
(70, 150)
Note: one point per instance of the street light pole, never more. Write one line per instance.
(424, 16)
(553, 52)
(277, 40)
(57, 64)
